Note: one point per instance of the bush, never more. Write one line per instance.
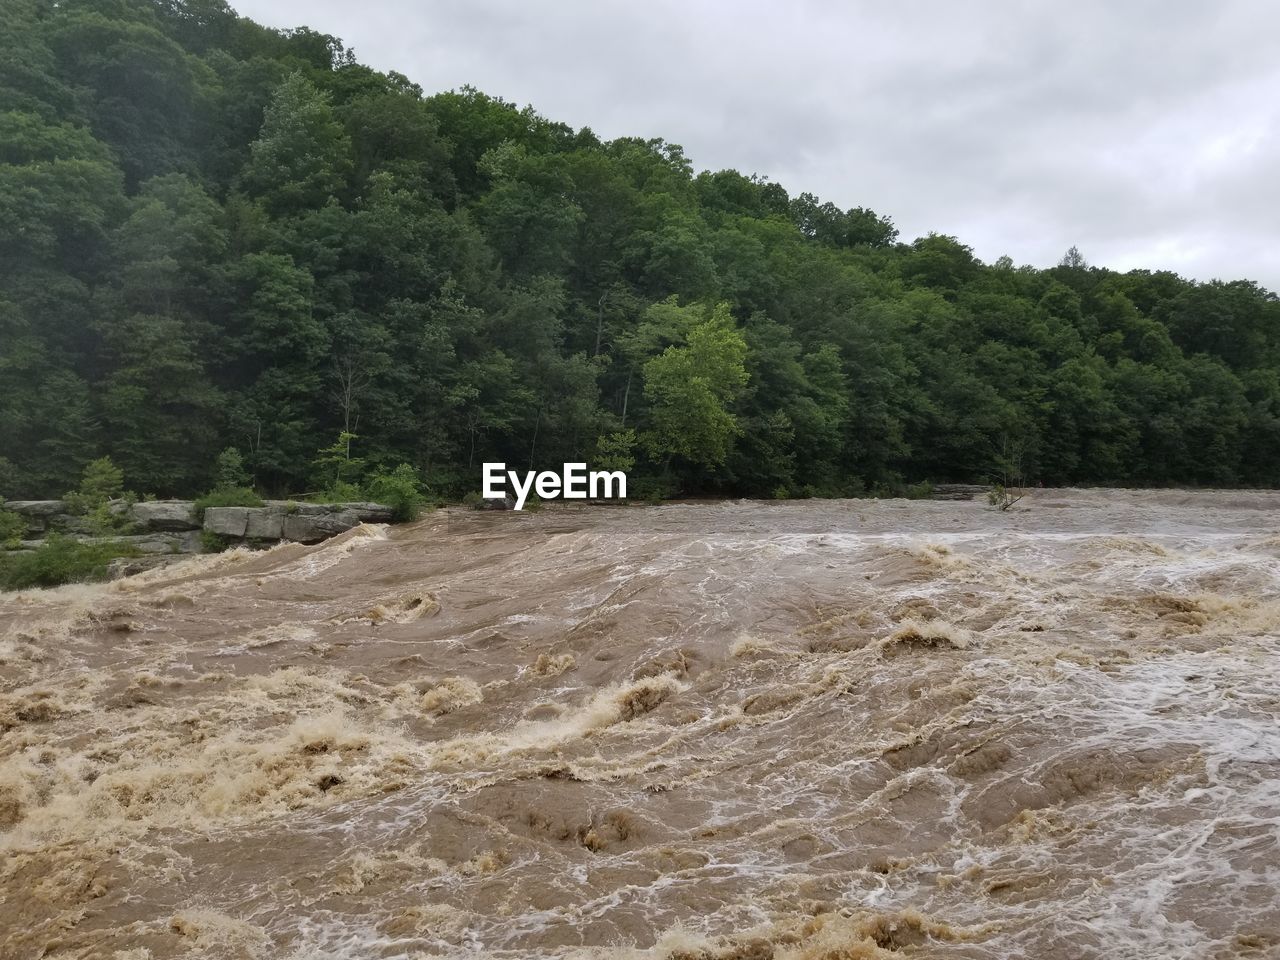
(9, 480)
(230, 471)
(100, 485)
(335, 467)
(401, 490)
(211, 542)
(616, 451)
(233, 497)
(651, 489)
(12, 527)
(920, 491)
(101, 482)
(340, 491)
(1002, 497)
(60, 560)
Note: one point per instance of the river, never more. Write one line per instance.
(696, 731)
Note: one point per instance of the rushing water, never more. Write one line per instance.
(738, 730)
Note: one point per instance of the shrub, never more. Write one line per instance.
(334, 464)
(338, 492)
(9, 480)
(920, 491)
(231, 474)
(101, 482)
(1002, 497)
(211, 542)
(233, 497)
(651, 489)
(60, 560)
(616, 451)
(100, 485)
(401, 490)
(12, 527)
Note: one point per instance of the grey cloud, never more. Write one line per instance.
(1147, 133)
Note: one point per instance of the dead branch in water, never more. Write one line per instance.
(1006, 486)
(1003, 497)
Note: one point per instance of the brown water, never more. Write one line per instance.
(807, 730)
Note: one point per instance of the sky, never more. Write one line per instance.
(1145, 133)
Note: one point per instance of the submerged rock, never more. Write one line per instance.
(128, 566)
(957, 491)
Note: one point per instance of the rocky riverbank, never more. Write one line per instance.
(161, 528)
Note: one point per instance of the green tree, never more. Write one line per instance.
(337, 469)
(230, 472)
(302, 154)
(691, 388)
(217, 234)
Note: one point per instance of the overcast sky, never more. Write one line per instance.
(1146, 132)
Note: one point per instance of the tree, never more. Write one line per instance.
(1073, 259)
(59, 189)
(690, 390)
(863, 226)
(216, 234)
(1006, 485)
(336, 468)
(161, 412)
(230, 470)
(302, 154)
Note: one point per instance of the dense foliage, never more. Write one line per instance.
(214, 235)
(59, 560)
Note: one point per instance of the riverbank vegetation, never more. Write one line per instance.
(214, 235)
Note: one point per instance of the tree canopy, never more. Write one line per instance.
(218, 236)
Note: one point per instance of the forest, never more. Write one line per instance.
(222, 243)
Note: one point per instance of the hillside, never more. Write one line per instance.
(216, 235)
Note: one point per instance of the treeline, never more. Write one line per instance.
(218, 236)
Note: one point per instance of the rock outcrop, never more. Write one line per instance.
(957, 491)
(299, 522)
(150, 544)
(39, 515)
(164, 527)
(227, 521)
(164, 515)
(36, 508)
(314, 527)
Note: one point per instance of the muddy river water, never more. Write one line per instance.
(840, 729)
